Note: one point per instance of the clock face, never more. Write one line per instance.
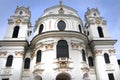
(61, 25)
(18, 21)
(97, 21)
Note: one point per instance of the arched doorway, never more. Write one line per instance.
(63, 76)
(38, 77)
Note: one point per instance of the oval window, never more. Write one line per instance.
(61, 25)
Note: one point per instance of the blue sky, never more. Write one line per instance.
(109, 9)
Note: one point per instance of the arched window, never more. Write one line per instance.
(61, 25)
(9, 61)
(63, 76)
(38, 57)
(83, 55)
(38, 77)
(79, 26)
(15, 32)
(100, 32)
(62, 49)
(106, 57)
(41, 28)
(27, 63)
(90, 61)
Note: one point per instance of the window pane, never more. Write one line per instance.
(27, 63)
(62, 49)
(83, 55)
(100, 31)
(38, 58)
(9, 61)
(61, 25)
(90, 61)
(80, 28)
(15, 32)
(41, 28)
(106, 57)
(111, 76)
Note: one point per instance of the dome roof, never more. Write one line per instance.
(59, 17)
(58, 9)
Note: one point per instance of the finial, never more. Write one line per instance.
(61, 11)
(60, 2)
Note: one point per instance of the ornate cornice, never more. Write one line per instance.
(55, 34)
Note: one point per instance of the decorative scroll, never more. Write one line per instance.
(63, 64)
(111, 51)
(48, 46)
(77, 45)
(2, 54)
(19, 53)
(98, 52)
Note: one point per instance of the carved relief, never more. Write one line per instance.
(2, 54)
(38, 71)
(49, 46)
(98, 52)
(85, 69)
(111, 51)
(63, 64)
(82, 45)
(19, 53)
(75, 45)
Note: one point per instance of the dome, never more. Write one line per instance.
(58, 18)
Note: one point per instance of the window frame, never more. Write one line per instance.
(16, 32)
(9, 61)
(27, 63)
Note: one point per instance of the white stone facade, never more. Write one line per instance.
(63, 48)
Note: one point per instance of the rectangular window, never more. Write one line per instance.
(111, 76)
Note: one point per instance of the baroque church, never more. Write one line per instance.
(62, 47)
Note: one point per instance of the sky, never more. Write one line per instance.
(109, 9)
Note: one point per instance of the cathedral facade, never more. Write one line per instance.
(62, 48)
